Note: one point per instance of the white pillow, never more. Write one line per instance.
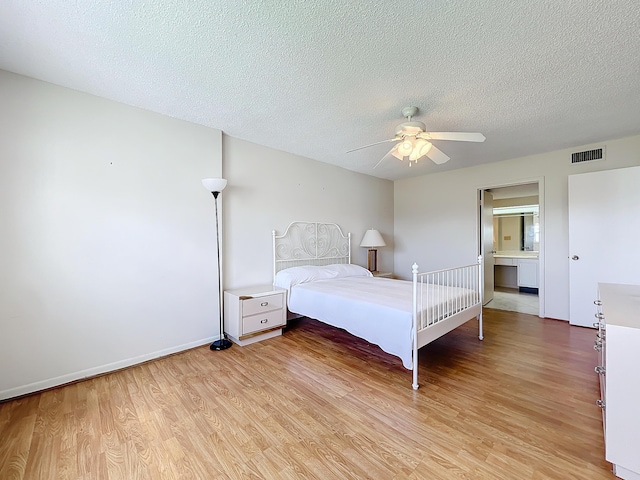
(348, 270)
(289, 277)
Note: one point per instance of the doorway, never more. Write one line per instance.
(511, 242)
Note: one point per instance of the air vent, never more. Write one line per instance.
(588, 155)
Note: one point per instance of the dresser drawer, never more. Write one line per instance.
(255, 323)
(266, 303)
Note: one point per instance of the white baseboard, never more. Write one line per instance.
(91, 372)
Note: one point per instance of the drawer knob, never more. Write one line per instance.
(264, 304)
(597, 302)
(599, 315)
(264, 321)
(599, 370)
(600, 403)
(598, 346)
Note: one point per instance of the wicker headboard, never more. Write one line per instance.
(310, 243)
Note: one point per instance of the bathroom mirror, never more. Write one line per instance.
(516, 228)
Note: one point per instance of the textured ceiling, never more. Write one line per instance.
(318, 78)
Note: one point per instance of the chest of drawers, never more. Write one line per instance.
(618, 341)
(254, 313)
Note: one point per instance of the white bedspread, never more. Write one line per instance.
(376, 309)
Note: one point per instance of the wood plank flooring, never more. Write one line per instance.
(320, 403)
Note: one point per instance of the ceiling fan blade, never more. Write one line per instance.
(437, 155)
(395, 139)
(388, 154)
(458, 136)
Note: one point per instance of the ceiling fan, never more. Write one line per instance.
(414, 140)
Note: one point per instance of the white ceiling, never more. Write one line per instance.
(320, 77)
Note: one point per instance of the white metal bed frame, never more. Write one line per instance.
(434, 314)
(310, 243)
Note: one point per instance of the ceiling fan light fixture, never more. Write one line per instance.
(414, 140)
(406, 147)
(399, 156)
(394, 152)
(421, 148)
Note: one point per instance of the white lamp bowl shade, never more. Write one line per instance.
(394, 152)
(214, 184)
(420, 149)
(372, 238)
(406, 147)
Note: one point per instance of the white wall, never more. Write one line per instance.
(435, 216)
(268, 189)
(107, 240)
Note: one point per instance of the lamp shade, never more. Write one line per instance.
(421, 148)
(372, 238)
(395, 153)
(406, 147)
(214, 184)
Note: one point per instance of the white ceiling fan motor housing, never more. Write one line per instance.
(410, 128)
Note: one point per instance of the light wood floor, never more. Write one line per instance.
(319, 403)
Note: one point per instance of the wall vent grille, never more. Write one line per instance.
(588, 155)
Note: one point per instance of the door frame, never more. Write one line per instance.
(486, 272)
(541, 252)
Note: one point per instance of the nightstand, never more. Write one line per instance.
(383, 274)
(253, 314)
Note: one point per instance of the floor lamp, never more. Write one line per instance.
(215, 186)
(372, 239)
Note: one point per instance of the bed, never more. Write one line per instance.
(312, 261)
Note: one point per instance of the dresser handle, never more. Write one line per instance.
(599, 315)
(600, 403)
(599, 370)
(264, 304)
(264, 321)
(598, 346)
(597, 302)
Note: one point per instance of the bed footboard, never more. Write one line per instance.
(442, 301)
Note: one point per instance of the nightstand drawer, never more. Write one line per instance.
(255, 323)
(266, 303)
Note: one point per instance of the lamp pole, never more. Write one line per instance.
(215, 186)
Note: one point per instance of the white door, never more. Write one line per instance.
(486, 204)
(604, 227)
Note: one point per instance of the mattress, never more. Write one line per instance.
(378, 310)
(375, 309)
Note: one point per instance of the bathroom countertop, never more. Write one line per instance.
(516, 255)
